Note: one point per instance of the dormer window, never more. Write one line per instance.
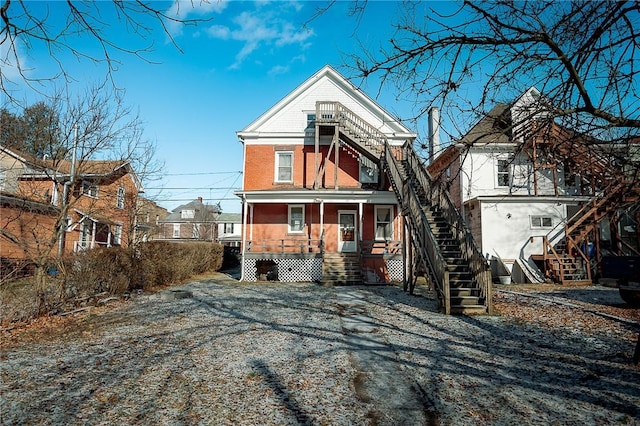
(187, 214)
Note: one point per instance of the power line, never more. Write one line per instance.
(194, 188)
(200, 174)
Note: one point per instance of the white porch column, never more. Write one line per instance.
(322, 223)
(360, 222)
(244, 236)
(93, 234)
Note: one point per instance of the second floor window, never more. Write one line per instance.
(228, 228)
(503, 172)
(89, 189)
(284, 166)
(120, 198)
(368, 172)
(187, 214)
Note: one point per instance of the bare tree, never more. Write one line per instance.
(102, 141)
(466, 56)
(57, 26)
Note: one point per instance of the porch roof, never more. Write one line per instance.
(327, 196)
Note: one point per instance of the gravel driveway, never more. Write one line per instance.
(274, 354)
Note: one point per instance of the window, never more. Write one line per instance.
(89, 189)
(117, 234)
(541, 222)
(196, 231)
(187, 214)
(284, 166)
(384, 224)
(120, 198)
(296, 219)
(368, 172)
(311, 120)
(228, 228)
(503, 172)
(176, 230)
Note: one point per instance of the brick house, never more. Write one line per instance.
(194, 221)
(101, 199)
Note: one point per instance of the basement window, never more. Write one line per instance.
(541, 222)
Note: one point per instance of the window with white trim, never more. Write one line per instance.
(284, 166)
(228, 228)
(89, 189)
(541, 222)
(503, 172)
(296, 218)
(176, 230)
(196, 230)
(384, 223)
(120, 198)
(187, 214)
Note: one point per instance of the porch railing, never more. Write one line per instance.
(286, 245)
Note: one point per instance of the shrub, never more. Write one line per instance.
(113, 271)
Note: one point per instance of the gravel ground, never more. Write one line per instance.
(277, 354)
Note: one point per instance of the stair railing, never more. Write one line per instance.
(367, 135)
(423, 236)
(439, 196)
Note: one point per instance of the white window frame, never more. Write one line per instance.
(277, 167)
(390, 223)
(120, 198)
(540, 219)
(195, 232)
(290, 229)
(176, 230)
(228, 228)
(500, 173)
(89, 189)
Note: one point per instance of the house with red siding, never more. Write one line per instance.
(334, 192)
(316, 206)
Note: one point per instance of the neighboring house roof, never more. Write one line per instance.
(202, 212)
(327, 85)
(492, 128)
(16, 201)
(229, 218)
(86, 169)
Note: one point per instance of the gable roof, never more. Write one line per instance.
(202, 212)
(327, 85)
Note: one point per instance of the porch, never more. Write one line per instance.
(305, 260)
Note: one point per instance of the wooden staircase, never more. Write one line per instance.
(441, 247)
(573, 259)
(341, 269)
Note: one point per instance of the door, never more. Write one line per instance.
(347, 232)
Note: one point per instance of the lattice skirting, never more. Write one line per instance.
(395, 268)
(285, 270)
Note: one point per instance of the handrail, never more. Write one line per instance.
(335, 112)
(285, 245)
(421, 231)
(477, 262)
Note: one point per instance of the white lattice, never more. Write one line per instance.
(395, 268)
(289, 270)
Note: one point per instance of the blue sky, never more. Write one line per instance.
(231, 70)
